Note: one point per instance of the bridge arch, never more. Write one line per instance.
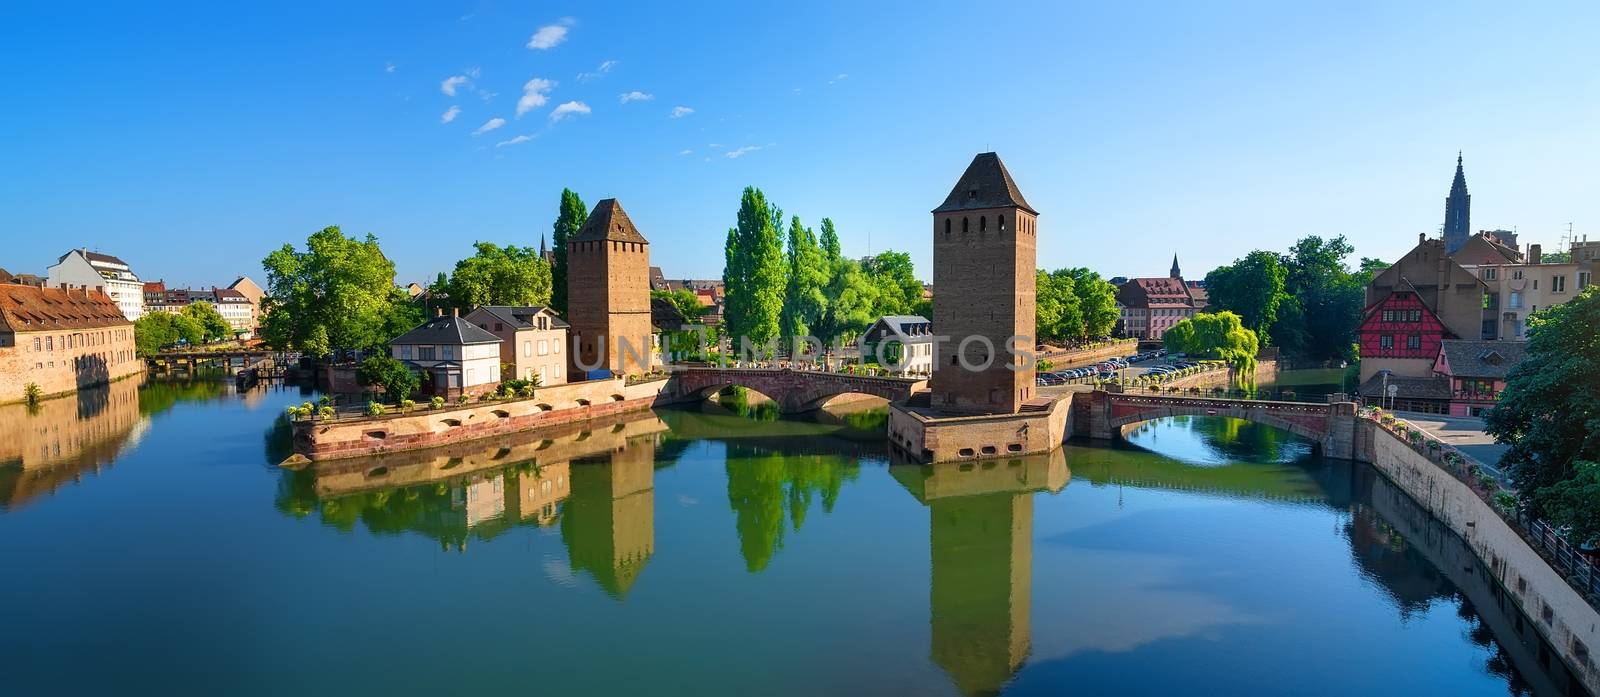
(1321, 424)
(795, 391)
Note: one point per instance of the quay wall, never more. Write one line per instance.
(427, 428)
(1563, 617)
(924, 438)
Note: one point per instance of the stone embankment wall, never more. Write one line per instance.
(426, 428)
(1566, 620)
(1078, 359)
(1266, 371)
(926, 438)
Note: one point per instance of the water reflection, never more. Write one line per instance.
(57, 442)
(980, 531)
(1217, 440)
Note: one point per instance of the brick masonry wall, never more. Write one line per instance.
(427, 428)
(97, 356)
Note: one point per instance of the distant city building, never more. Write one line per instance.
(455, 356)
(903, 344)
(62, 339)
(1148, 307)
(1516, 289)
(532, 340)
(1476, 372)
(608, 293)
(1412, 308)
(254, 293)
(81, 268)
(238, 309)
(657, 280)
(1457, 211)
(984, 264)
(1486, 248)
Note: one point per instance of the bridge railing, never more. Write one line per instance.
(797, 367)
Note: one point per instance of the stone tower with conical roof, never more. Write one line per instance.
(1457, 212)
(608, 294)
(983, 267)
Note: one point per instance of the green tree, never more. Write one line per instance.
(497, 275)
(338, 293)
(1221, 336)
(571, 218)
(1097, 300)
(852, 303)
(397, 379)
(1549, 413)
(687, 303)
(1252, 288)
(830, 241)
(753, 273)
(1058, 312)
(1324, 301)
(803, 301)
(899, 292)
(152, 331)
(212, 325)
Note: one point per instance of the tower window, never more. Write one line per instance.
(963, 225)
(946, 227)
(983, 223)
(1001, 221)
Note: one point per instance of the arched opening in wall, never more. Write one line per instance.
(947, 228)
(1220, 441)
(618, 398)
(451, 463)
(379, 435)
(544, 407)
(583, 402)
(450, 423)
(739, 400)
(501, 414)
(377, 472)
(963, 226)
(501, 454)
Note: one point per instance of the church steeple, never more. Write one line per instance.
(1457, 211)
(1175, 273)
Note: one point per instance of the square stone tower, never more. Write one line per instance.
(608, 293)
(984, 254)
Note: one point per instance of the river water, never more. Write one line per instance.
(153, 546)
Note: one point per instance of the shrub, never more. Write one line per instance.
(326, 412)
(33, 393)
(374, 409)
(406, 404)
(292, 411)
(1487, 482)
(486, 397)
(526, 391)
(1505, 501)
(307, 408)
(436, 402)
(325, 400)
(463, 399)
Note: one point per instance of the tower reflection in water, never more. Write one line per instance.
(980, 532)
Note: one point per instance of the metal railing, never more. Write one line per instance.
(1579, 569)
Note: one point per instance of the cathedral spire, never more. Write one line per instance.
(1175, 272)
(1457, 211)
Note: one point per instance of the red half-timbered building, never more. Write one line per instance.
(1401, 326)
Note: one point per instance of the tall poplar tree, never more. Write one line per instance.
(803, 301)
(568, 221)
(753, 272)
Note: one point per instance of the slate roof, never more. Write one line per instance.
(665, 315)
(1482, 359)
(985, 184)
(915, 328)
(1163, 292)
(1436, 387)
(517, 315)
(449, 329)
(32, 309)
(608, 222)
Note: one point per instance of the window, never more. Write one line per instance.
(1515, 301)
(1558, 284)
(1416, 316)
(49, 344)
(1386, 341)
(36, 343)
(1414, 341)
(947, 228)
(1489, 274)
(1388, 315)
(405, 352)
(448, 351)
(555, 347)
(527, 347)
(1583, 280)
(1001, 221)
(1516, 274)
(963, 225)
(425, 353)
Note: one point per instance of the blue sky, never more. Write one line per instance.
(191, 139)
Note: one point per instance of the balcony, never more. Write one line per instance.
(1474, 396)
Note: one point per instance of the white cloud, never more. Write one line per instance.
(489, 125)
(679, 112)
(636, 96)
(685, 152)
(550, 35)
(713, 145)
(450, 114)
(838, 78)
(388, 67)
(514, 141)
(451, 83)
(741, 152)
(535, 94)
(563, 110)
(605, 67)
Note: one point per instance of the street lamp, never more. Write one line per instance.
(1385, 374)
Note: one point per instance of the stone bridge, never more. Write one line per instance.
(1102, 414)
(795, 391)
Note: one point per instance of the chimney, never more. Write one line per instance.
(1535, 253)
(1422, 237)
